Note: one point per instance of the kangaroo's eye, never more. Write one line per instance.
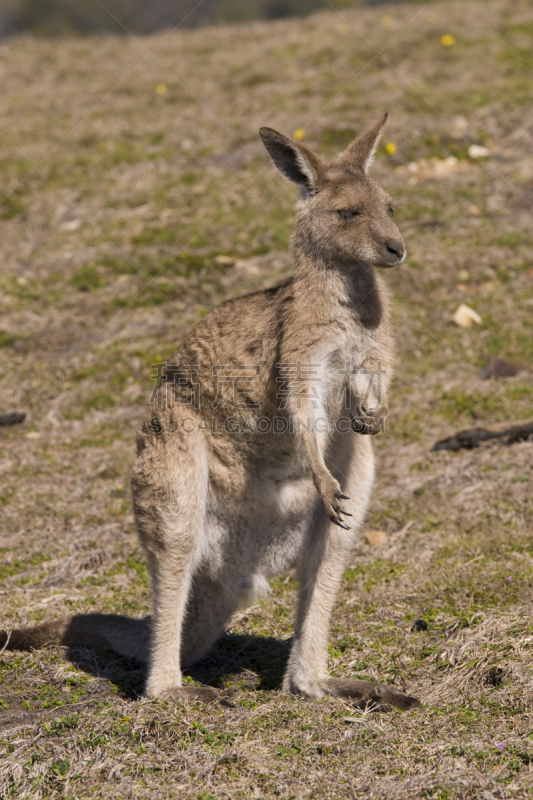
(347, 213)
(391, 211)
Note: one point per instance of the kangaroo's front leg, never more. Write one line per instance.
(320, 569)
(367, 421)
(369, 408)
(311, 422)
(327, 485)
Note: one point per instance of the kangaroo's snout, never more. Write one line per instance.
(396, 248)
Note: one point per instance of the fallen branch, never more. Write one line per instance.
(12, 419)
(471, 437)
(6, 642)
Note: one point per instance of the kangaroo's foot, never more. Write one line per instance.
(368, 695)
(369, 422)
(362, 694)
(198, 694)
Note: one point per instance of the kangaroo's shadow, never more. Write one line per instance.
(254, 662)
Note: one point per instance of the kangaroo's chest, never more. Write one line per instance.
(345, 360)
(359, 344)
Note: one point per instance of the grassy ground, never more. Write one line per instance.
(117, 200)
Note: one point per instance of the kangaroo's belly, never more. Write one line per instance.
(260, 510)
(260, 531)
(268, 495)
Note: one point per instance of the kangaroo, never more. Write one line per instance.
(258, 435)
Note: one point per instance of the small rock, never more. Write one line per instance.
(474, 210)
(489, 286)
(463, 275)
(459, 124)
(419, 625)
(248, 265)
(432, 169)
(33, 435)
(377, 538)
(71, 225)
(478, 151)
(464, 316)
(224, 261)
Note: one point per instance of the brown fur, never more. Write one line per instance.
(221, 511)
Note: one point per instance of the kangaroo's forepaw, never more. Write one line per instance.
(330, 492)
(368, 422)
(368, 695)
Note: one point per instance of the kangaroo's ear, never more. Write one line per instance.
(360, 153)
(295, 162)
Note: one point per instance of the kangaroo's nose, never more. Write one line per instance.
(395, 247)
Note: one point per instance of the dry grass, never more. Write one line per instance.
(116, 202)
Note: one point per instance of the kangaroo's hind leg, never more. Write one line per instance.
(169, 484)
(320, 567)
(212, 602)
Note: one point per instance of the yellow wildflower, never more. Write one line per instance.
(391, 148)
(299, 134)
(161, 88)
(447, 40)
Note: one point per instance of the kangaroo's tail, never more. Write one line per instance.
(125, 636)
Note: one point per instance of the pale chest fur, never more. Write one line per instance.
(353, 366)
(346, 342)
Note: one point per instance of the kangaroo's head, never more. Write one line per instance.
(343, 215)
